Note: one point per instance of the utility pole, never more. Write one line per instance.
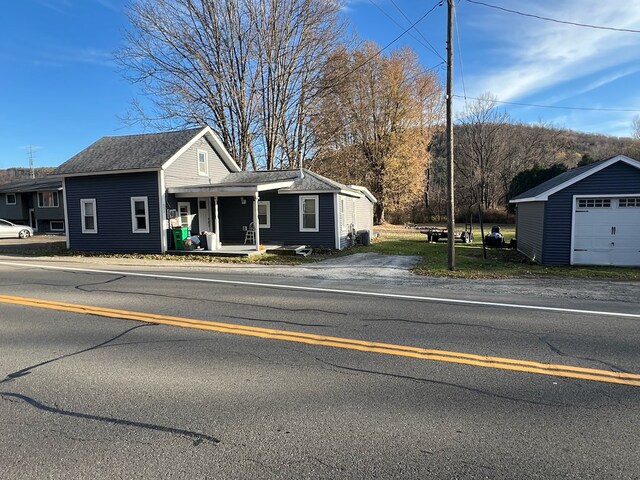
(451, 241)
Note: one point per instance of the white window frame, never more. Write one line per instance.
(55, 195)
(303, 198)
(343, 214)
(202, 173)
(354, 213)
(267, 203)
(83, 202)
(51, 229)
(15, 199)
(134, 217)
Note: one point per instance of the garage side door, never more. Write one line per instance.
(607, 231)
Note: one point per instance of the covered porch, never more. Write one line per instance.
(208, 199)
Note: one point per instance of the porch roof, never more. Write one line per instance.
(285, 181)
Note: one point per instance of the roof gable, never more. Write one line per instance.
(542, 192)
(151, 151)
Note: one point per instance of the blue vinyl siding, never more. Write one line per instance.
(530, 229)
(113, 204)
(619, 178)
(285, 220)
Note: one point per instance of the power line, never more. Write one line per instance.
(430, 46)
(464, 89)
(555, 20)
(591, 109)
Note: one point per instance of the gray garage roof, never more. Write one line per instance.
(559, 182)
(129, 152)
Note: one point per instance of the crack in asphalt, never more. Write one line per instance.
(197, 437)
(27, 370)
(559, 352)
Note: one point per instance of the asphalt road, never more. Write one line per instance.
(91, 393)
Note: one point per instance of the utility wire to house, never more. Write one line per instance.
(555, 20)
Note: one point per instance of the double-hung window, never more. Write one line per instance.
(48, 199)
(343, 214)
(309, 217)
(89, 215)
(11, 199)
(203, 163)
(264, 214)
(140, 215)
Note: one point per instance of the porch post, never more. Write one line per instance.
(256, 223)
(216, 225)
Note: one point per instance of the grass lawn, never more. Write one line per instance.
(469, 261)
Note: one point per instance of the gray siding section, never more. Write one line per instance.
(18, 213)
(113, 204)
(184, 170)
(285, 220)
(530, 229)
(364, 215)
(619, 178)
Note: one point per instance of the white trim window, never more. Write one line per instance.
(56, 225)
(343, 214)
(184, 211)
(264, 214)
(139, 215)
(89, 215)
(11, 198)
(203, 163)
(354, 213)
(309, 213)
(48, 199)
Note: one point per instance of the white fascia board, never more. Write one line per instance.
(365, 191)
(275, 185)
(66, 214)
(217, 145)
(544, 196)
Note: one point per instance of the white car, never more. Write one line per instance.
(11, 230)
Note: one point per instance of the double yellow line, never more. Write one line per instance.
(338, 342)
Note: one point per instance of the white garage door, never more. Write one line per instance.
(607, 231)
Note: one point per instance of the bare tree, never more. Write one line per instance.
(247, 68)
(374, 122)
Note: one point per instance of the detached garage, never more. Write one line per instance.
(585, 216)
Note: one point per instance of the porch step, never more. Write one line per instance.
(292, 250)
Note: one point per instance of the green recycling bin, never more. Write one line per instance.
(179, 236)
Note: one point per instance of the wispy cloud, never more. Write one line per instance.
(534, 55)
(59, 57)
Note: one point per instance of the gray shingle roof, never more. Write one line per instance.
(128, 152)
(557, 180)
(312, 182)
(31, 185)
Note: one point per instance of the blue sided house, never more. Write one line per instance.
(132, 193)
(585, 216)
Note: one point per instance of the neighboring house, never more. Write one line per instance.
(586, 216)
(123, 194)
(34, 202)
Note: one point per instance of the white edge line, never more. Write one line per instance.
(329, 290)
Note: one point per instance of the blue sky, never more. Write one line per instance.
(60, 89)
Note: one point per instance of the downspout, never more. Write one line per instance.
(217, 243)
(256, 224)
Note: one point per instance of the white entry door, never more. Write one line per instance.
(607, 231)
(204, 215)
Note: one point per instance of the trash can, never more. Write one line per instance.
(211, 241)
(365, 237)
(179, 236)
